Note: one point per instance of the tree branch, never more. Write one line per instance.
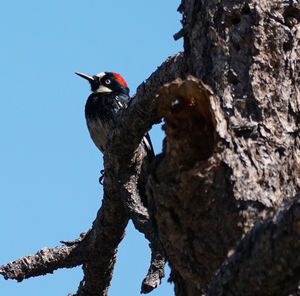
(107, 232)
(96, 250)
(44, 261)
(142, 222)
(122, 162)
(142, 113)
(124, 158)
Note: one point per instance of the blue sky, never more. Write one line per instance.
(49, 166)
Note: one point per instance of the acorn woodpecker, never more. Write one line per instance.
(110, 95)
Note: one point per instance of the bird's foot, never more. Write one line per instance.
(101, 177)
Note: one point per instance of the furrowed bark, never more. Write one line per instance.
(230, 160)
(107, 232)
(266, 260)
(44, 261)
(194, 204)
(210, 188)
(135, 121)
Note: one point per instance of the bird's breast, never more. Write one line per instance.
(98, 132)
(100, 112)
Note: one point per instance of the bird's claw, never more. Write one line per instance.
(101, 177)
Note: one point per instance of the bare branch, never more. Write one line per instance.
(142, 113)
(44, 261)
(107, 232)
(96, 249)
(124, 158)
(123, 162)
(156, 269)
(142, 222)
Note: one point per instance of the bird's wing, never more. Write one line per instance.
(148, 145)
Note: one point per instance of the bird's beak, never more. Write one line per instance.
(85, 76)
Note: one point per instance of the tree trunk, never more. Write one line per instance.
(222, 196)
(237, 161)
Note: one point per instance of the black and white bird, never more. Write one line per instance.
(110, 94)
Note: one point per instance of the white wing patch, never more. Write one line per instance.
(148, 145)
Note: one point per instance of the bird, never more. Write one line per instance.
(110, 94)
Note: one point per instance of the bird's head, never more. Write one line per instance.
(106, 82)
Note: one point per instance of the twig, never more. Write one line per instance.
(44, 261)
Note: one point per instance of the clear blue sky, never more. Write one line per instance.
(49, 166)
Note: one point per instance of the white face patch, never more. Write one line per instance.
(102, 88)
(100, 75)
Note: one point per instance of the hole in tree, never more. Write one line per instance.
(236, 20)
(246, 9)
(287, 46)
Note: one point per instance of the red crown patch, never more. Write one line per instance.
(120, 79)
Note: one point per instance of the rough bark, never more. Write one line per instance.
(95, 250)
(262, 260)
(207, 200)
(222, 206)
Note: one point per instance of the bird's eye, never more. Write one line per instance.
(107, 81)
